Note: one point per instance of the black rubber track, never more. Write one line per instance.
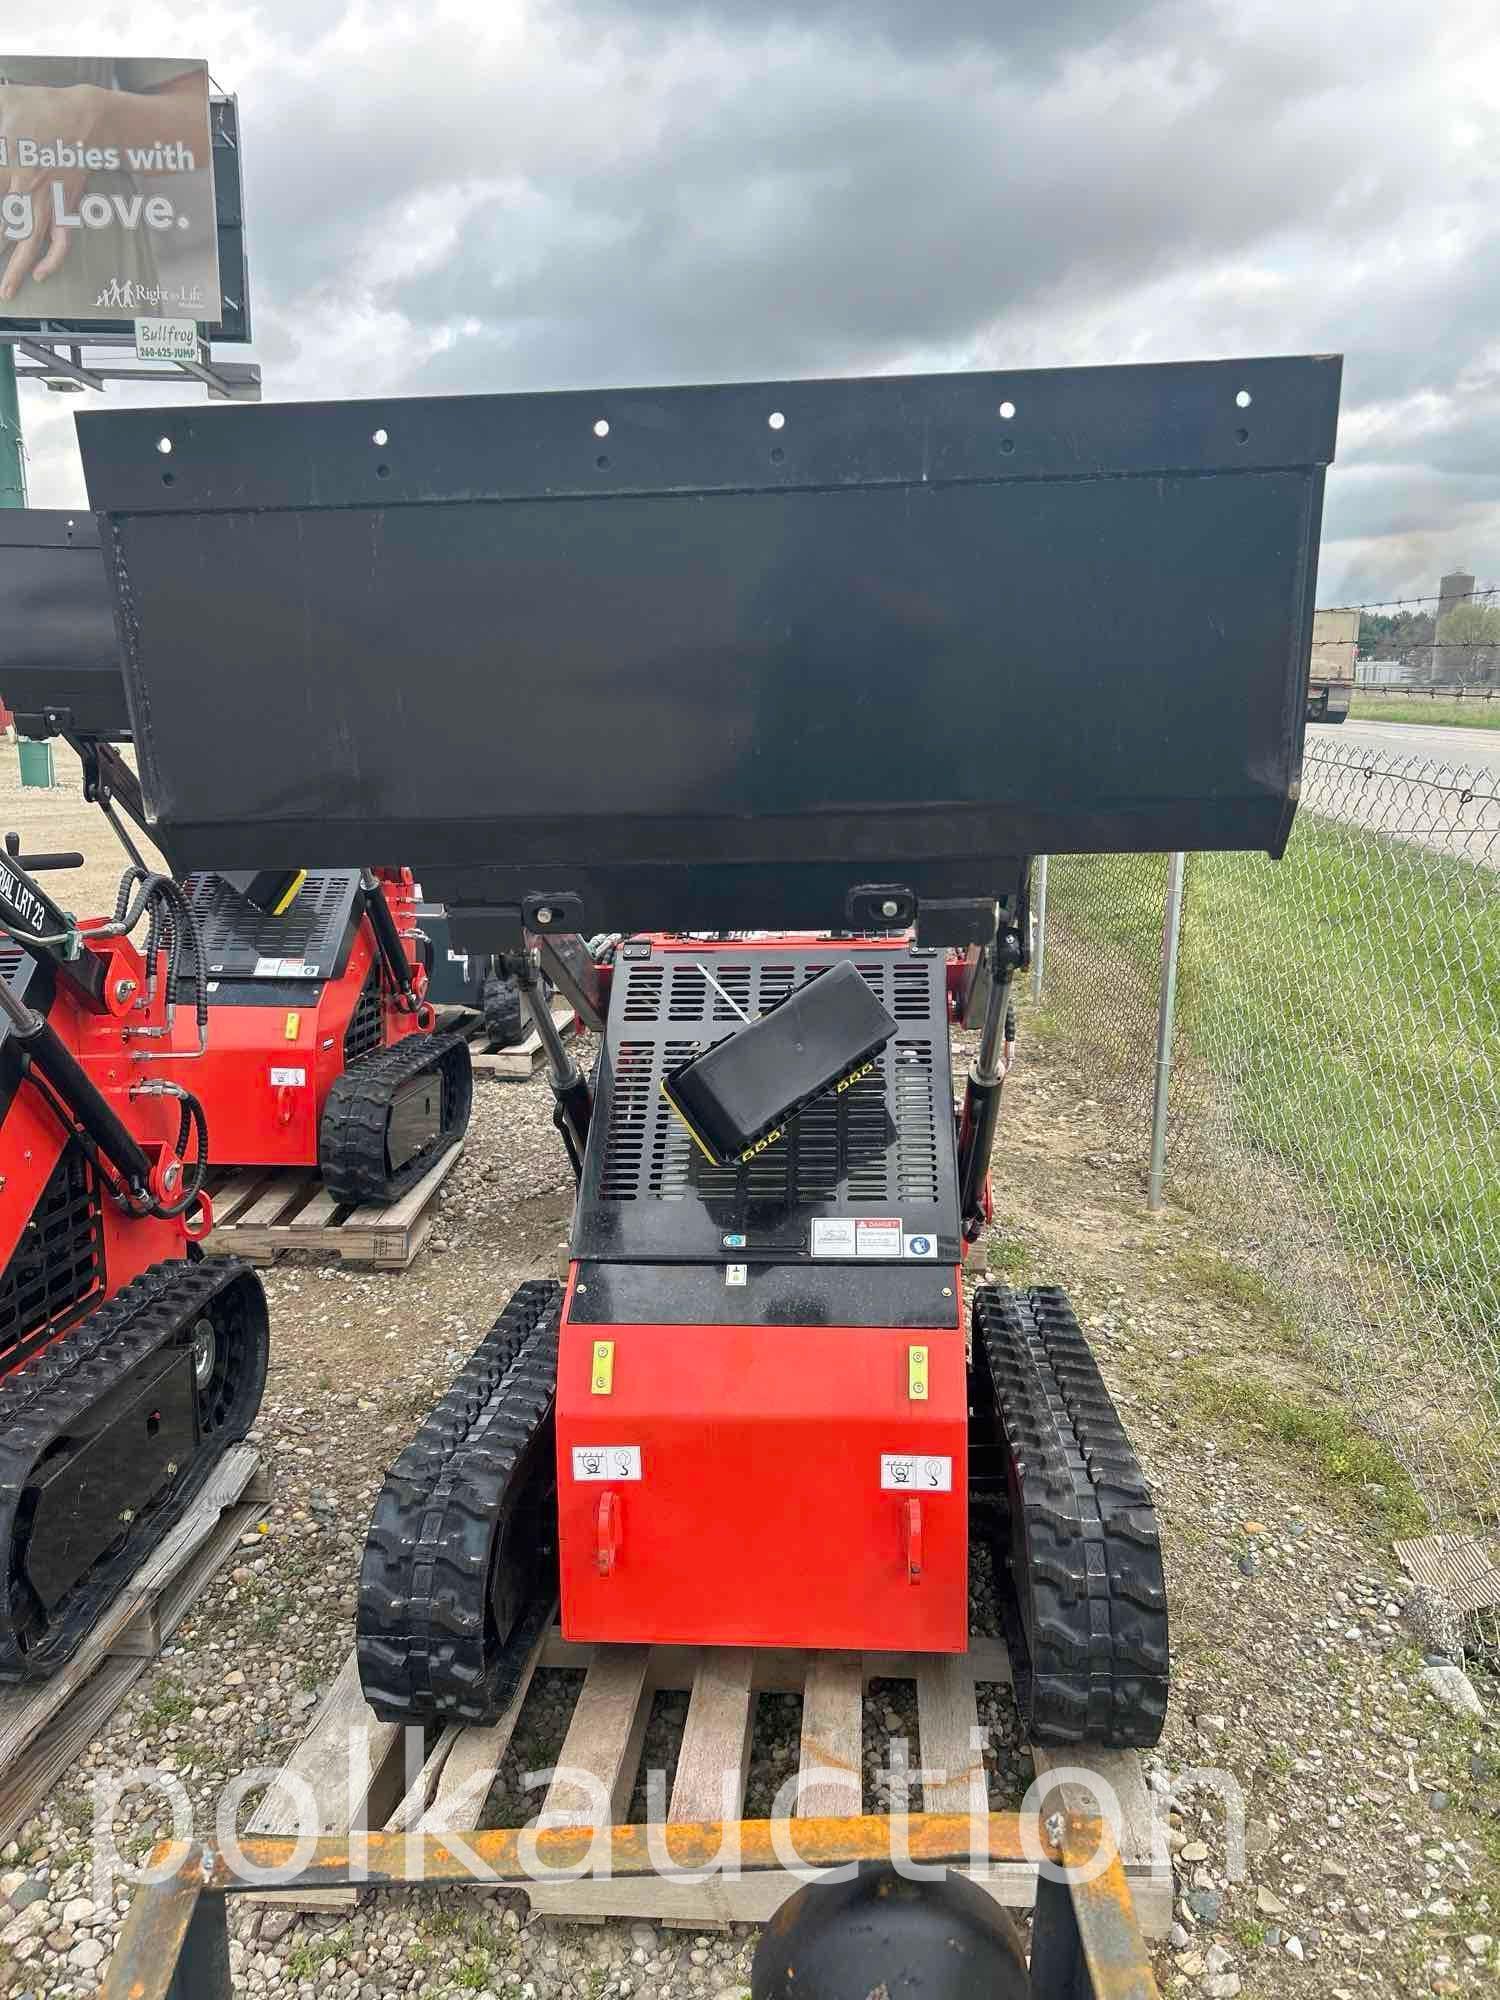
(504, 1022)
(352, 1155)
(43, 1401)
(1087, 1612)
(467, 1515)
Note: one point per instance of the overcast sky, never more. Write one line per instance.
(521, 194)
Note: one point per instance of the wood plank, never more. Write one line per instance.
(25, 1711)
(1121, 1771)
(345, 1728)
(755, 1898)
(780, 1669)
(422, 1790)
(141, 1639)
(347, 1769)
(830, 1777)
(277, 1198)
(236, 1192)
(469, 1772)
(161, 1618)
(517, 1064)
(179, 1596)
(603, 1742)
(948, 1737)
(26, 1779)
(832, 1690)
(398, 1214)
(387, 1236)
(715, 1753)
(315, 1214)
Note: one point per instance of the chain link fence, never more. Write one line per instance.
(1334, 1092)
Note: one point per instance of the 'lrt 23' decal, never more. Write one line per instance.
(24, 904)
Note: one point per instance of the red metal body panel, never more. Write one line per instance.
(33, 1140)
(759, 1516)
(254, 1120)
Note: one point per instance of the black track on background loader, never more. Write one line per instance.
(504, 1019)
(107, 1434)
(460, 1564)
(393, 1115)
(1072, 1529)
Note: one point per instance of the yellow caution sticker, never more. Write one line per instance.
(292, 1025)
(916, 1374)
(604, 1367)
(290, 895)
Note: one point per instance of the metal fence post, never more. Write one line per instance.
(1170, 938)
(1039, 941)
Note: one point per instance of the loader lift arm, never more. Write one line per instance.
(47, 935)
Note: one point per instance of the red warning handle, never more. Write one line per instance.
(912, 1509)
(607, 1525)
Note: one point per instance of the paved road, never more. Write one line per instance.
(1469, 747)
(1457, 812)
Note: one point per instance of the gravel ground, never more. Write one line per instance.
(1373, 1848)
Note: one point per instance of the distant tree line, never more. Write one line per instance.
(1467, 647)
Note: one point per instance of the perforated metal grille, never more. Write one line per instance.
(236, 935)
(873, 1146)
(59, 1262)
(363, 1035)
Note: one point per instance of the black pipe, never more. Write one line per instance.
(388, 938)
(573, 1105)
(981, 1113)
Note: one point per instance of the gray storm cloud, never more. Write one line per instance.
(610, 191)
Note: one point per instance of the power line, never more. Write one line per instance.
(1439, 597)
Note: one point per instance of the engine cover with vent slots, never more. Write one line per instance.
(882, 1151)
(310, 940)
(762, 1410)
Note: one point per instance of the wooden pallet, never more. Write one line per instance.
(259, 1212)
(44, 1728)
(512, 1065)
(362, 1771)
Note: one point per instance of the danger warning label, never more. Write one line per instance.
(877, 1236)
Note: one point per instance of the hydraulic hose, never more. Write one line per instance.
(41, 1046)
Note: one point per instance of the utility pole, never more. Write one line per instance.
(12, 467)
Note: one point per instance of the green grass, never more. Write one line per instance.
(1348, 999)
(307, 1959)
(1465, 714)
(1353, 988)
(473, 1971)
(1008, 1259)
(1320, 1434)
(1236, 1285)
(170, 1703)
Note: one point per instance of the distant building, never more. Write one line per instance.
(1455, 589)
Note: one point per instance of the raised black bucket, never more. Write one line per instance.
(58, 651)
(719, 656)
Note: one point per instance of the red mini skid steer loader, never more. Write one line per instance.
(836, 658)
(320, 1044)
(128, 1362)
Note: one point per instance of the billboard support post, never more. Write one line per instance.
(12, 465)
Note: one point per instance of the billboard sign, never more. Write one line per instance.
(107, 210)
